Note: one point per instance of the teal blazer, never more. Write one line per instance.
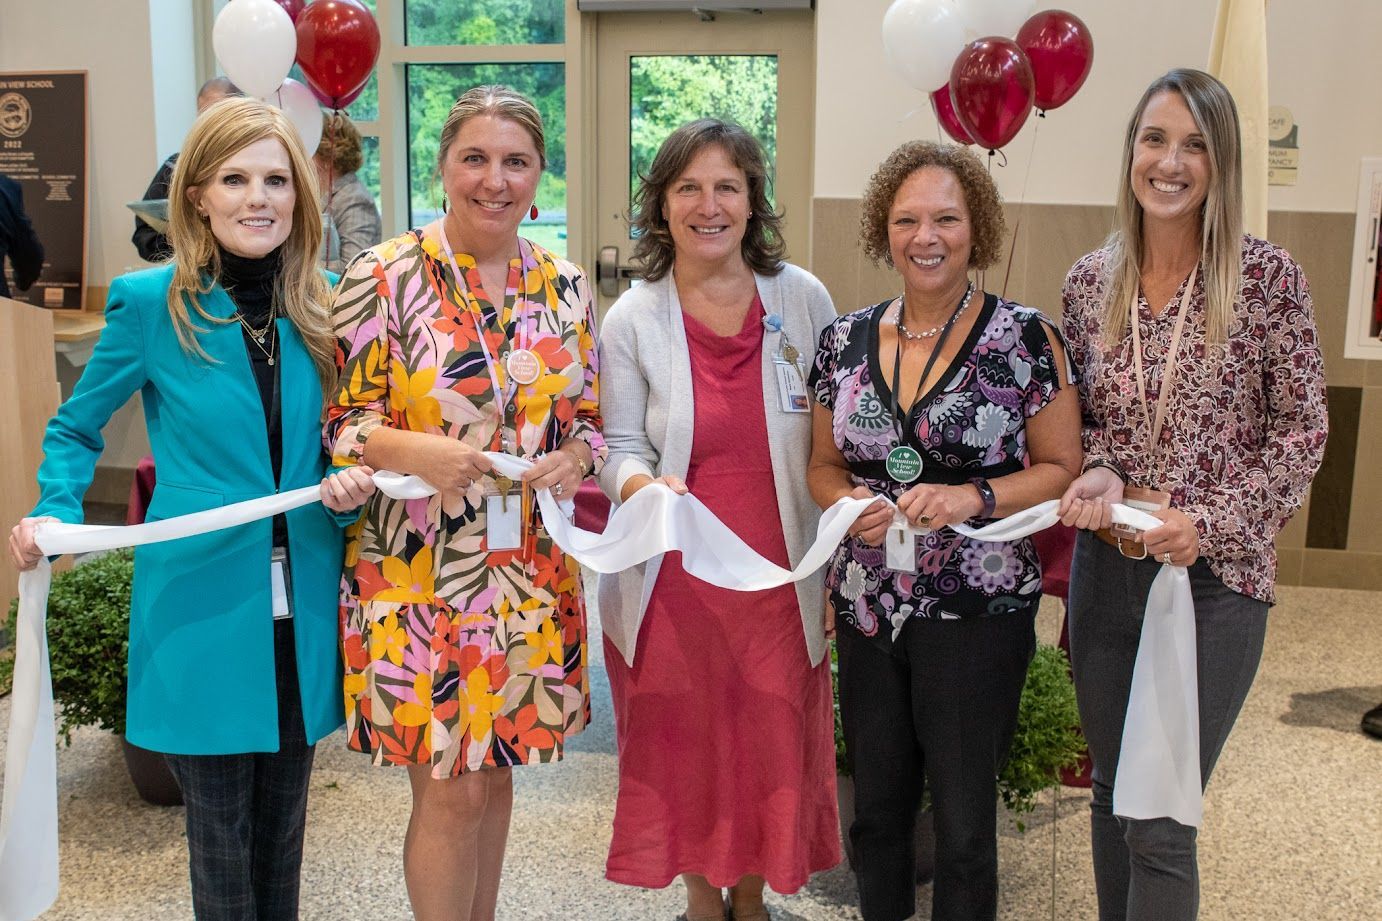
(201, 652)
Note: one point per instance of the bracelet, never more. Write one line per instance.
(986, 494)
(1109, 465)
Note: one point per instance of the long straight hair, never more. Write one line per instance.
(300, 289)
(1221, 228)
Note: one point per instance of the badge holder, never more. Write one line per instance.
(900, 545)
(791, 382)
(1144, 500)
(503, 517)
(281, 584)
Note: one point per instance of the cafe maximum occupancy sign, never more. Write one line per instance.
(43, 147)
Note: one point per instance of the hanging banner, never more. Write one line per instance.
(43, 147)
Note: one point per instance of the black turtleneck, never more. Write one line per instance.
(251, 285)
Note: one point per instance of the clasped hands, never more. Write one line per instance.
(1088, 504)
(925, 505)
(453, 467)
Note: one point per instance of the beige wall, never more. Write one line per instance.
(1324, 66)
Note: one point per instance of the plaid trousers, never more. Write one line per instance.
(246, 814)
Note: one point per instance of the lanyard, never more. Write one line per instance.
(502, 394)
(899, 418)
(1168, 377)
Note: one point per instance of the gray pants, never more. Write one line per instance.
(1146, 869)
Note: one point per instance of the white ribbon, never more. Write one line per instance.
(1158, 773)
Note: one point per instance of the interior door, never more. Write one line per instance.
(655, 71)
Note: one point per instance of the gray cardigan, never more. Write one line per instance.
(646, 405)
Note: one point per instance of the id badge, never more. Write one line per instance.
(791, 386)
(280, 584)
(901, 552)
(503, 522)
(1144, 500)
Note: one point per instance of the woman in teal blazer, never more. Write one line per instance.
(230, 347)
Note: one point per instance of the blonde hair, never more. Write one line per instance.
(501, 102)
(1221, 229)
(301, 291)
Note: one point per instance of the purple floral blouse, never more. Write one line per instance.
(970, 424)
(1246, 422)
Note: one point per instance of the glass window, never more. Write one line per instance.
(434, 88)
(369, 170)
(666, 91)
(484, 22)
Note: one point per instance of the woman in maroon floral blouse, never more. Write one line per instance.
(1231, 448)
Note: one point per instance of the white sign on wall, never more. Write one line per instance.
(1365, 287)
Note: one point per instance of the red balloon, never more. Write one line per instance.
(292, 7)
(991, 86)
(338, 43)
(1061, 51)
(944, 108)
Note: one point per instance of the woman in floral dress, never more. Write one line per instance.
(463, 624)
(954, 404)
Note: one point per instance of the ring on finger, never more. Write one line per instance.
(924, 519)
(1166, 558)
(557, 490)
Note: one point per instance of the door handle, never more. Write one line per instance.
(609, 273)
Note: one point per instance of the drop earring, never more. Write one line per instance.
(532, 213)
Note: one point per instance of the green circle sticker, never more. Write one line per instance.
(904, 464)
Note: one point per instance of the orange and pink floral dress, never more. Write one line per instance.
(456, 656)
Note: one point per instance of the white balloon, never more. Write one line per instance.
(922, 38)
(298, 103)
(983, 18)
(256, 44)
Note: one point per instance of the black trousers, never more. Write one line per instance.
(246, 814)
(942, 704)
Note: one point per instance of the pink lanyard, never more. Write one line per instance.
(502, 394)
(1168, 377)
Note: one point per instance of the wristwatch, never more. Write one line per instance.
(986, 494)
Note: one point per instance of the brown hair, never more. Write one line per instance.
(981, 198)
(1221, 228)
(340, 144)
(501, 102)
(763, 248)
(223, 130)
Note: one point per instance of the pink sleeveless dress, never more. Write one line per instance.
(725, 731)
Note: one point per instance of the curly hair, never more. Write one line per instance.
(981, 197)
(763, 248)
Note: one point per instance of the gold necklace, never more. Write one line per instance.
(259, 339)
(258, 334)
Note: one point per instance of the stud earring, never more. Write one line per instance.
(532, 213)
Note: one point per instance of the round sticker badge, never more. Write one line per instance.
(524, 366)
(903, 464)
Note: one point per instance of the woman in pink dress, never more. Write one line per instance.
(722, 699)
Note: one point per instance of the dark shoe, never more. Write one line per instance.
(1372, 722)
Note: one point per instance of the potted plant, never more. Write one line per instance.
(88, 649)
(1045, 741)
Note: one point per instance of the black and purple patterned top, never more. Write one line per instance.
(972, 423)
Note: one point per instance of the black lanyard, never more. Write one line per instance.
(899, 419)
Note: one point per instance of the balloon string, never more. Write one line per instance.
(1021, 209)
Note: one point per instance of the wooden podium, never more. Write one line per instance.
(29, 394)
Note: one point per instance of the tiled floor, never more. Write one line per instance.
(1293, 826)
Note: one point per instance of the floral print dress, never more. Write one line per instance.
(970, 424)
(457, 656)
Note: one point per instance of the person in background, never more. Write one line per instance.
(463, 623)
(958, 406)
(353, 223)
(230, 347)
(724, 715)
(18, 242)
(1203, 398)
(152, 245)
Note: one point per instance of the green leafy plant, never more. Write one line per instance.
(1046, 739)
(88, 641)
